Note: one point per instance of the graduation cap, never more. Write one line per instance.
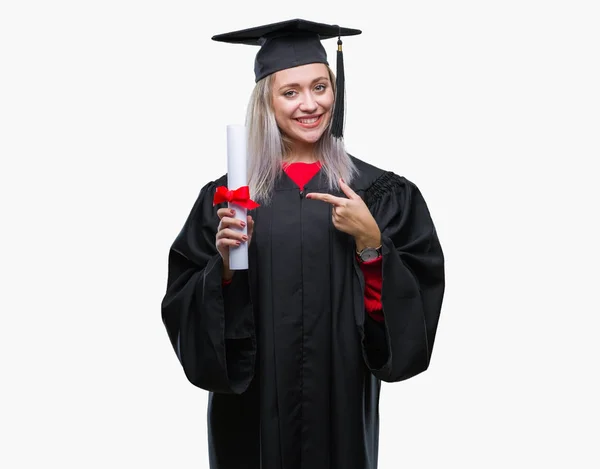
(292, 43)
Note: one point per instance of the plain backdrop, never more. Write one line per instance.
(113, 115)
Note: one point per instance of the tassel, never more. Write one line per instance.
(337, 124)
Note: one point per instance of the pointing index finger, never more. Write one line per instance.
(331, 199)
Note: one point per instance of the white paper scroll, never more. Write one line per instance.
(236, 178)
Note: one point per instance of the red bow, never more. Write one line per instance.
(239, 197)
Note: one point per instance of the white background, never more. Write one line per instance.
(113, 116)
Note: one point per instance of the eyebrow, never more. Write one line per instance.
(290, 85)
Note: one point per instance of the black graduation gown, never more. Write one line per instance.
(292, 361)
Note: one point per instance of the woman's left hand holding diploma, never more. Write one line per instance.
(228, 236)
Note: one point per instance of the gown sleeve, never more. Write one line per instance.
(413, 281)
(372, 274)
(211, 328)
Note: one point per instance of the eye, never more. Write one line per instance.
(289, 94)
(320, 87)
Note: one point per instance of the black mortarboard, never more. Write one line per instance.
(293, 43)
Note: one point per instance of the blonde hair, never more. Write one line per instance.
(267, 146)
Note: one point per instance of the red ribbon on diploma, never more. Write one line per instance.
(239, 197)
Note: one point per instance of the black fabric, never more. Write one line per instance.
(286, 44)
(337, 121)
(292, 360)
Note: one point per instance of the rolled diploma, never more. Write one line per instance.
(236, 178)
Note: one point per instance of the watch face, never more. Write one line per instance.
(369, 254)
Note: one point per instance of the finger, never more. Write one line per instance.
(228, 233)
(336, 221)
(346, 189)
(227, 222)
(331, 199)
(222, 212)
(337, 215)
(340, 210)
(250, 226)
(334, 217)
(227, 243)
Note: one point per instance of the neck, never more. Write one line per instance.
(301, 154)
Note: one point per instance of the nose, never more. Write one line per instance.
(309, 103)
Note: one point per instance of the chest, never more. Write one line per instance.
(292, 223)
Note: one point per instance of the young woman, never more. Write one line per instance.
(344, 286)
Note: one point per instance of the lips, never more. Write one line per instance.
(309, 121)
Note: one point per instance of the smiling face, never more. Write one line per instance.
(303, 101)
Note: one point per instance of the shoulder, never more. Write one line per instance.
(203, 204)
(208, 189)
(367, 174)
(221, 181)
(373, 183)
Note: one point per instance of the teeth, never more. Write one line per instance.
(309, 121)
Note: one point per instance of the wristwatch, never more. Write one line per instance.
(369, 254)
